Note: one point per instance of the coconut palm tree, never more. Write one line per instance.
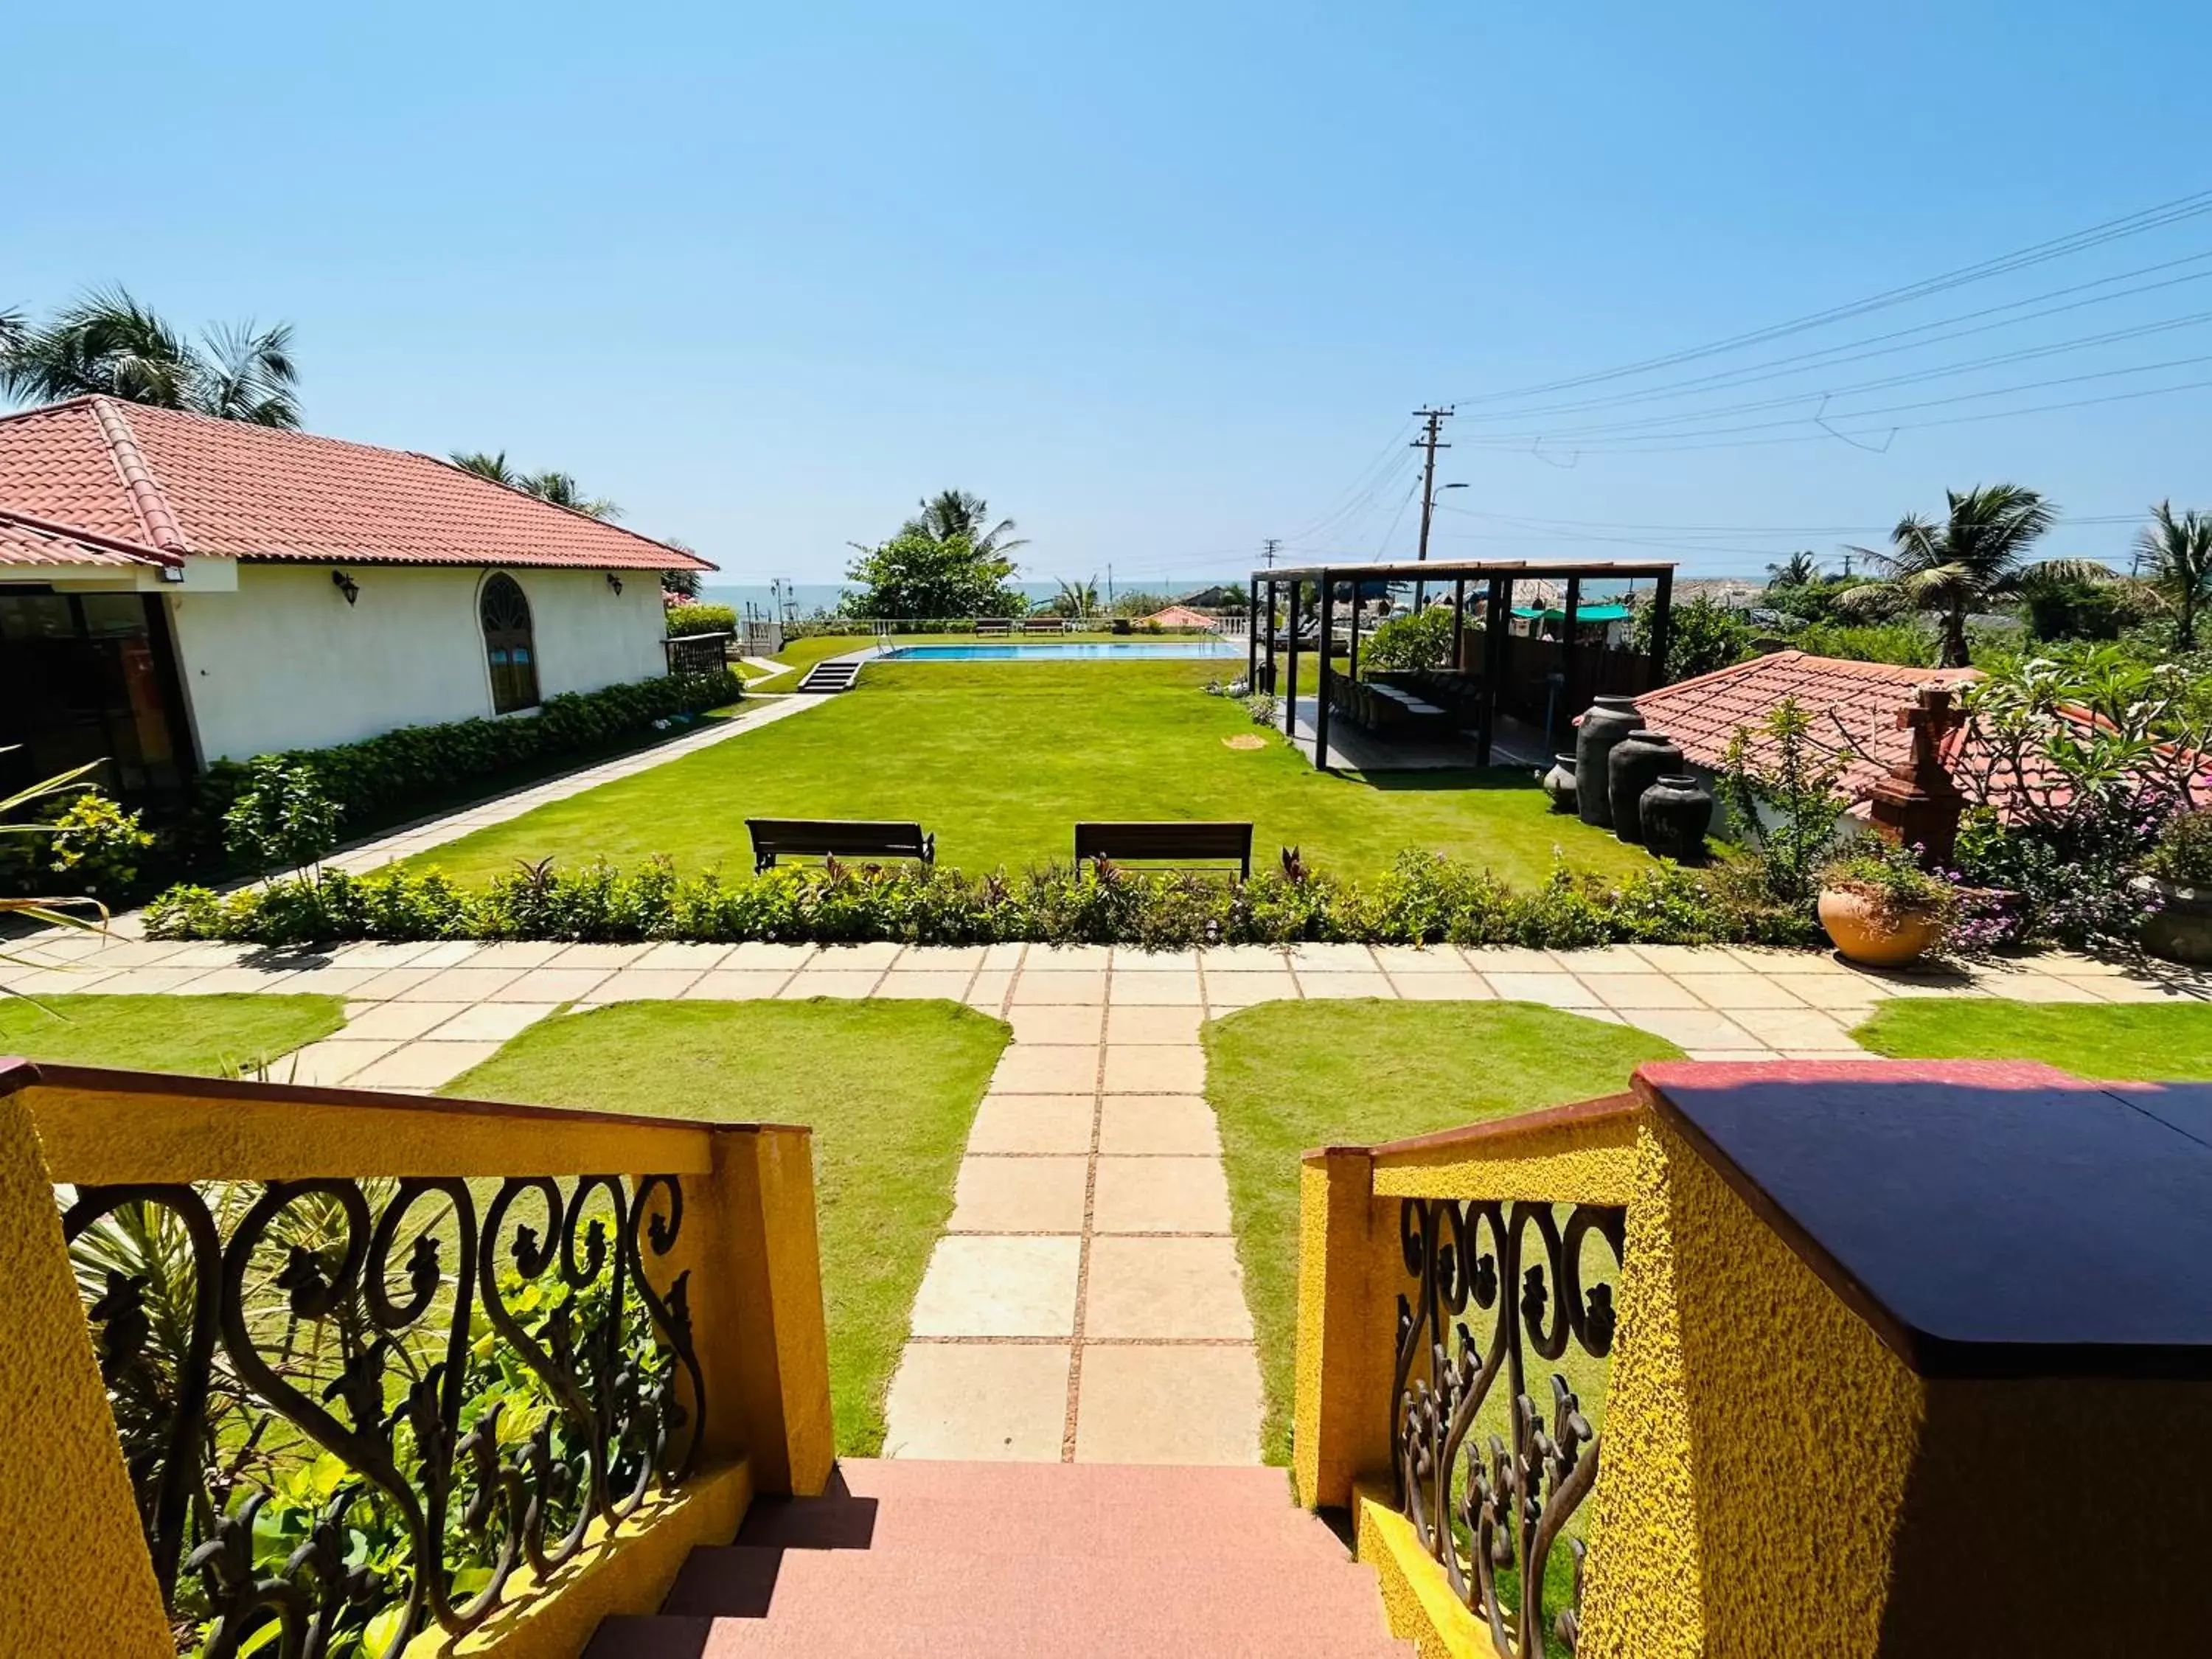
(1796, 571)
(2177, 553)
(111, 344)
(952, 514)
(558, 488)
(1077, 599)
(1978, 553)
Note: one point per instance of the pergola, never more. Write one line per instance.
(1496, 577)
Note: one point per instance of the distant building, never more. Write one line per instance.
(1180, 615)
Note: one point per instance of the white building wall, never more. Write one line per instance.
(286, 662)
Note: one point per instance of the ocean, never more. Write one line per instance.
(811, 597)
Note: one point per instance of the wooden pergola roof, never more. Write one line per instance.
(1454, 569)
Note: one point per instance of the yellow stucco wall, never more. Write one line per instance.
(1590, 1161)
(74, 1551)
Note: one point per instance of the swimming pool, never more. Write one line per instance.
(1094, 651)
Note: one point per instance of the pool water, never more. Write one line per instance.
(1095, 651)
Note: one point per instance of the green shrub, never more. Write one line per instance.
(701, 619)
(2183, 854)
(371, 778)
(98, 845)
(1904, 642)
(1890, 877)
(1703, 635)
(282, 819)
(1418, 639)
(1422, 899)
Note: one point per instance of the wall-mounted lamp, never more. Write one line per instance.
(173, 573)
(615, 582)
(345, 585)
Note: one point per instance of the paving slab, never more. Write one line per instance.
(1058, 1023)
(1047, 1069)
(1161, 1195)
(735, 985)
(999, 1195)
(996, 1401)
(1144, 1070)
(422, 1066)
(1033, 1123)
(1165, 1288)
(984, 1286)
(1153, 1125)
(1150, 1026)
(1140, 1403)
(899, 982)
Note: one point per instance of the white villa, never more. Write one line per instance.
(174, 590)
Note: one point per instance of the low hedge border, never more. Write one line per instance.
(379, 774)
(1422, 899)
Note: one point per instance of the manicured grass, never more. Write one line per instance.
(1000, 759)
(1285, 1078)
(2139, 1042)
(205, 1036)
(889, 1088)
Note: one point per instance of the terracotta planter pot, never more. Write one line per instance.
(2180, 929)
(1867, 936)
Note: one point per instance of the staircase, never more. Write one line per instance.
(1072, 1560)
(835, 674)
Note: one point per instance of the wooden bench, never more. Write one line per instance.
(841, 838)
(1165, 841)
(1043, 625)
(994, 625)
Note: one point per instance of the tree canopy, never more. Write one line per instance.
(109, 344)
(561, 489)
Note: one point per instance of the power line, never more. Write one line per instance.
(1781, 368)
(2133, 224)
(1607, 429)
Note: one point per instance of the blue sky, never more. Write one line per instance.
(1159, 279)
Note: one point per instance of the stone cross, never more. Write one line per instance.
(1919, 804)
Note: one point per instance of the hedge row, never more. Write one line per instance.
(1422, 899)
(379, 775)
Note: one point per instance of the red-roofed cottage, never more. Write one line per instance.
(175, 589)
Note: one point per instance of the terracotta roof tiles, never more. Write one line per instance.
(1703, 713)
(168, 480)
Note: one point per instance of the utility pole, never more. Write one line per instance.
(1847, 561)
(1268, 547)
(1427, 442)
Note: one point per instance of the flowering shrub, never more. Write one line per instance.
(1421, 899)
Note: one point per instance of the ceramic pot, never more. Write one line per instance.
(1675, 813)
(1607, 721)
(2180, 929)
(1864, 935)
(1639, 760)
(1560, 783)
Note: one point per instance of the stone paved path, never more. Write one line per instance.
(1085, 1301)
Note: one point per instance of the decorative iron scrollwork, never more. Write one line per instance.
(350, 1409)
(1486, 1511)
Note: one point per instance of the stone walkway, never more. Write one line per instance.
(418, 837)
(1085, 1301)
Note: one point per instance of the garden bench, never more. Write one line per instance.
(842, 838)
(1121, 842)
(1043, 625)
(994, 625)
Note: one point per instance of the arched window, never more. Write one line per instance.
(506, 617)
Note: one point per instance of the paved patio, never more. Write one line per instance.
(1085, 1301)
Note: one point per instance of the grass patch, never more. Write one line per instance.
(1000, 759)
(2139, 1042)
(889, 1089)
(204, 1037)
(1287, 1077)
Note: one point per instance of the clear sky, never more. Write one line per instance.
(1158, 280)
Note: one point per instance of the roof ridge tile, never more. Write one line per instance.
(162, 529)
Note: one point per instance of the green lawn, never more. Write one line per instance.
(2139, 1042)
(1287, 1077)
(889, 1088)
(206, 1036)
(1000, 759)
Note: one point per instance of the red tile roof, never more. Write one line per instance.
(28, 541)
(181, 482)
(1702, 714)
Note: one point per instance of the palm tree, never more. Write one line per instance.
(1798, 570)
(558, 488)
(1959, 566)
(2179, 552)
(1077, 599)
(957, 512)
(108, 343)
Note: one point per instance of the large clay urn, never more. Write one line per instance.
(1639, 760)
(1607, 721)
(1675, 813)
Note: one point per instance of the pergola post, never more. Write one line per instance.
(1493, 651)
(1663, 624)
(1320, 682)
(1458, 620)
(1290, 699)
(1252, 637)
(1565, 710)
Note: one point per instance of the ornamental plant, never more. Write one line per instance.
(282, 819)
(99, 844)
(2183, 857)
(1783, 799)
(1889, 878)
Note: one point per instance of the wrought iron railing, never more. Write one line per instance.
(351, 1409)
(1493, 1508)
